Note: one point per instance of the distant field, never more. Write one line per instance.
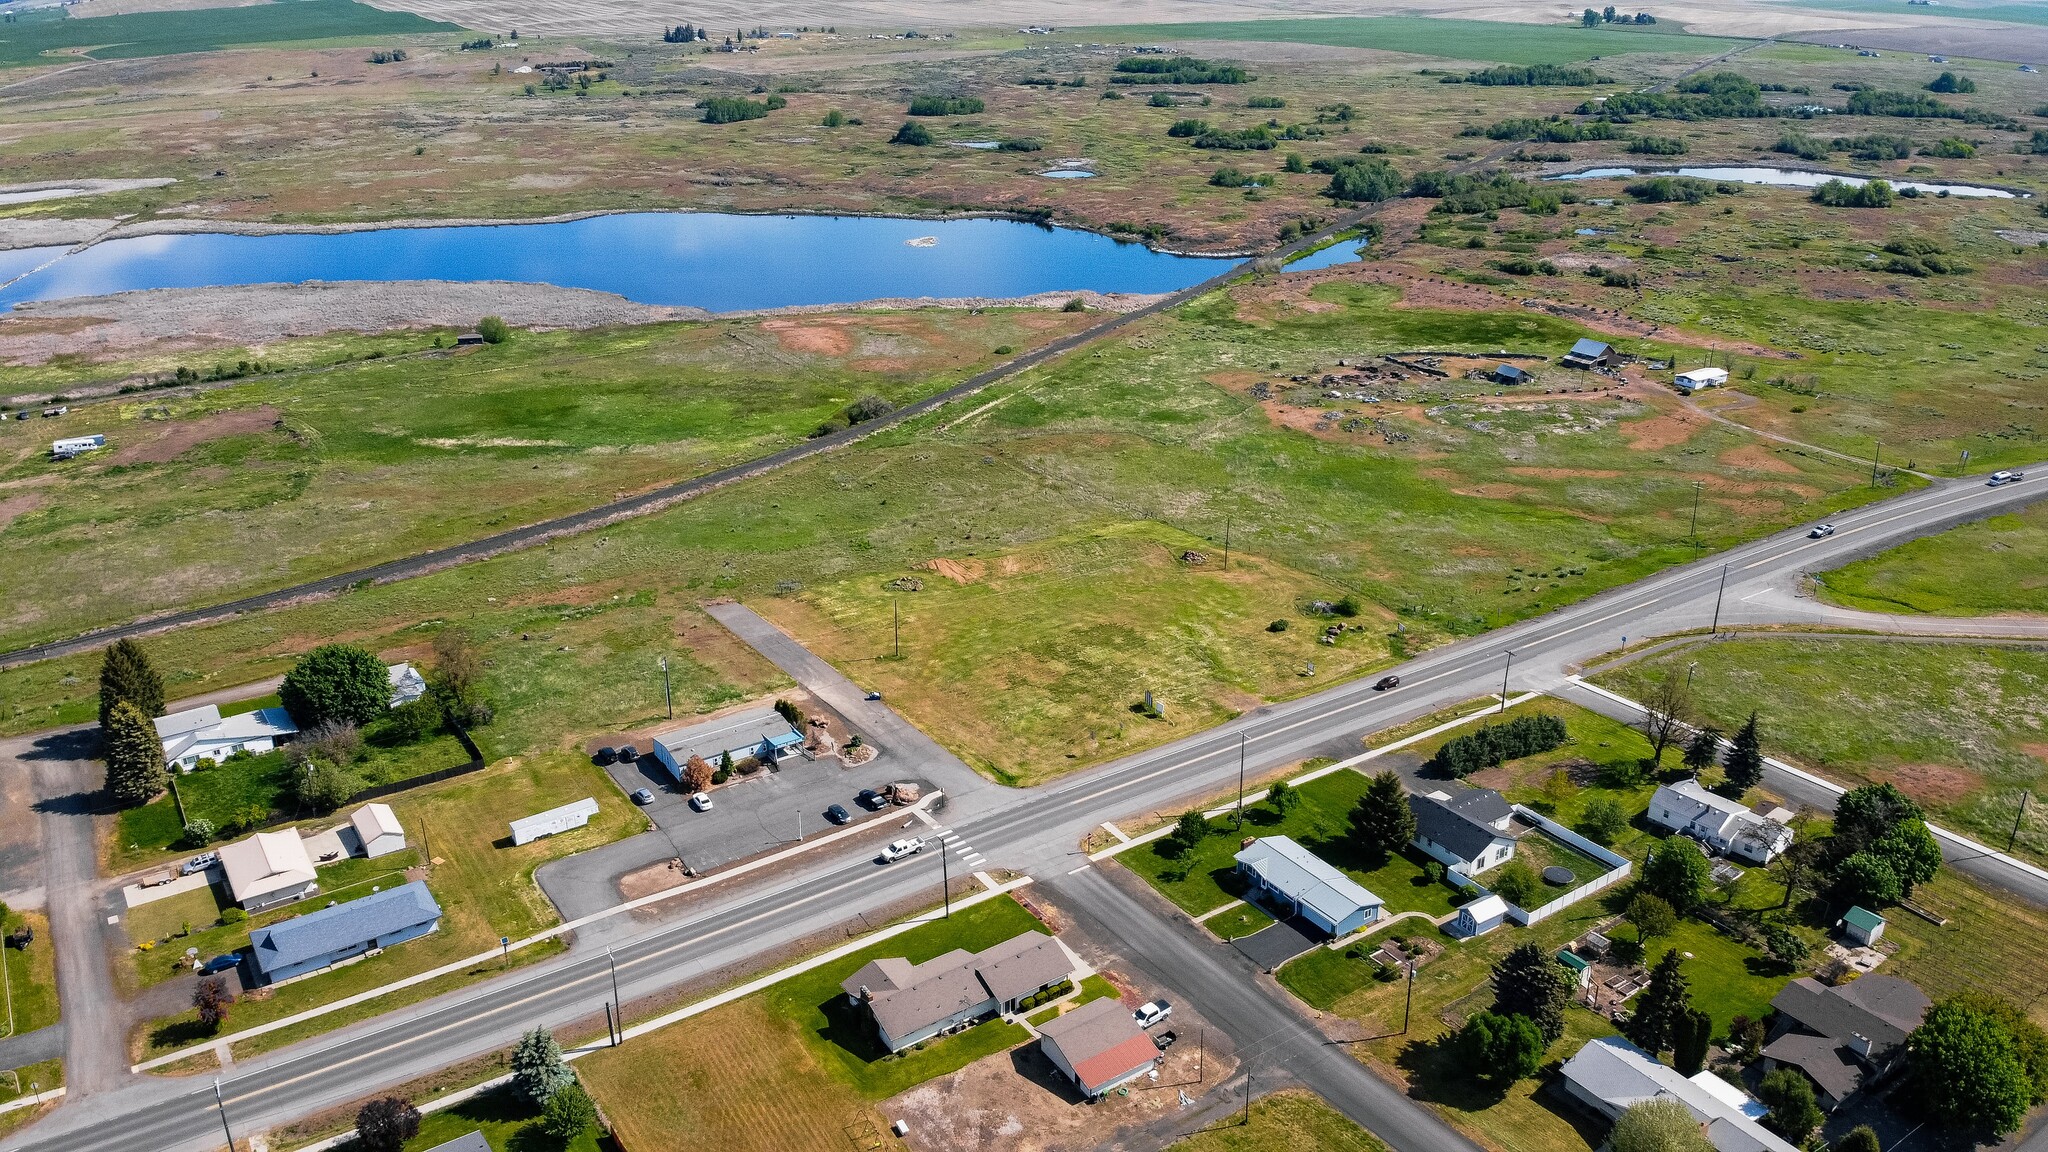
(202, 30)
(1425, 36)
(1956, 726)
(1988, 568)
(2004, 13)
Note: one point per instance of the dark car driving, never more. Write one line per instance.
(1387, 684)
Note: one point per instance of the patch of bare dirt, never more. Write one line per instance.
(1939, 785)
(815, 338)
(1567, 473)
(1662, 431)
(180, 436)
(958, 571)
(17, 505)
(1756, 458)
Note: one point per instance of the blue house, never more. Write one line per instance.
(1284, 873)
(309, 943)
(1589, 354)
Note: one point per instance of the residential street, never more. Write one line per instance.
(1036, 831)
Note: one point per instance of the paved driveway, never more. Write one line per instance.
(1279, 942)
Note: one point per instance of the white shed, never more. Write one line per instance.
(553, 821)
(1698, 378)
(377, 827)
(1479, 917)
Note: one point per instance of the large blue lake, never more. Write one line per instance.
(707, 260)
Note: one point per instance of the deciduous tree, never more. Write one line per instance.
(1663, 1124)
(569, 1113)
(1652, 916)
(1517, 884)
(1603, 819)
(1664, 707)
(697, 774)
(211, 997)
(1861, 1138)
(1500, 1048)
(386, 1123)
(336, 682)
(1678, 871)
(1789, 1096)
(1976, 1064)
(1283, 798)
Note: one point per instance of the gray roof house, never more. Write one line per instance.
(1723, 825)
(1845, 1037)
(468, 1141)
(1588, 354)
(1286, 873)
(1609, 1075)
(341, 932)
(204, 734)
(913, 1002)
(750, 734)
(1467, 831)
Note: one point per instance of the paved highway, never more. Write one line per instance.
(1034, 830)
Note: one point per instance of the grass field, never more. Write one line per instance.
(31, 975)
(507, 1123)
(2005, 13)
(317, 471)
(1206, 876)
(1285, 1122)
(35, 41)
(1426, 36)
(1989, 568)
(483, 884)
(790, 1067)
(1955, 726)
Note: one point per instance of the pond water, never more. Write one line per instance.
(707, 260)
(19, 261)
(1068, 174)
(1342, 252)
(1782, 178)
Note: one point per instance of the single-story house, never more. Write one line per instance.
(1698, 378)
(913, 1002)
(1721, 824)
(1589, 354)
(268, 869)
(1844, 1037)
(1862, 926)
(468, 1141)
(377, 827)
(1098, 1046)
(1467, 831)
(341, 932)
(1286, 873)
(1610, 1074)
(760, 734)
(1509, 374)
(1479, 917)
(407, 685)
(204, 734)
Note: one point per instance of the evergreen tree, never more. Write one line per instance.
(1662, 1009)
(1689, 1045)
(127, 675)
(1381, 821)
(1704, 751)
(1744, 767)
(1528, 982)
(135, 757)
(537, 1068)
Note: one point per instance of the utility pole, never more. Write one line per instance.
(1201, 1051)
(1716, 629)
(1226, 543)
(1237, 818)
(1408, 1008)
(1696, 516)
(1247, 1100)
(1504, 680)
(223, 1106)
(1689, 670)
(668, 697)
(611, 1028)
(621, 1009)
(2014, 835)
(1874, 454)
(896, 610)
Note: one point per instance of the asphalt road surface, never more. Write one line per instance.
(1037, 831)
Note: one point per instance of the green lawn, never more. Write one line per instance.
(205, 29)
(1094, 987)
(1292, 1121)
(1206, 877)
(508, 1124)
(1728, 978)
(1992, 567)
(1428, 36)
(1957, 726)
(31, 974)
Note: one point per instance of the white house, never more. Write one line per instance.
(407, 685)
(377, 827)
(204, 734)
(268, 869)
(1467, 831)
(1698, 378)
(1283, 872)
(1478, 917)
(1721, 824)
(1610, 1074)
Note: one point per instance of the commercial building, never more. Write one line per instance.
(204, 734)
(1098, 1046)
(759, 734)
(1283, 872)
(322, 939)
(913, 1002)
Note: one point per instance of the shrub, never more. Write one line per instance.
(415, 721)
(1950, 148)
(1075, 305)
(1183, 129)
(1950, 82)
(1875, 146)
(944, 105)
(1842, 194)
(1265, 102)
(570, 1112)
(912, 133)
(1493, 744)
(325, 786)
(1362, 179)
(1676, 190)
(1176, 70)
(1658, 146)
(733, 109)
(339, 682)
(385, 1124)
(1795, 143)
(1278, 626)
(868, 408)
(833, 119)
(1019, 144)
(232, 915)
(198, 833)
(1158, 100)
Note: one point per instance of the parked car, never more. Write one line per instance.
(199, 863)
(1152, 1012)
(837, 814)
(220, 963)
(898, 849)
(628, 754)
(1387, 684)
(643, 796)
(874, 695)
(870, 799)
(701, 801)
(1821, 532)
(605, 756)
(1999, 479)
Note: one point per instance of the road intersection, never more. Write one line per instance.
(1038, 832)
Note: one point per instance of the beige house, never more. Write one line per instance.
(268, 869)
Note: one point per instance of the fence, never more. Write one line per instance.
(1618, 868)
(475, 763)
